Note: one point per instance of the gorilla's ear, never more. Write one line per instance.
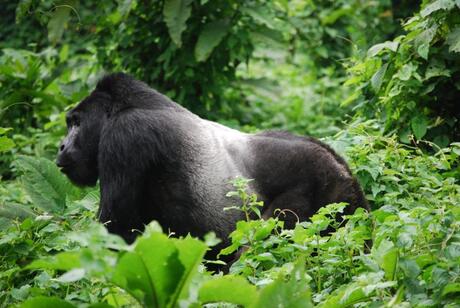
(120, 88)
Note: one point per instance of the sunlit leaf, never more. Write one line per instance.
(46, 302)
(228, 289)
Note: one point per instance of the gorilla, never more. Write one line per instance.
(155, 160)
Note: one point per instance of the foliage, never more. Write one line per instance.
(412, 82)
(331, 31)
(207, 40)
(253, 65)
(413, 259)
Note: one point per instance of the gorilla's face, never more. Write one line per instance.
(78, 152)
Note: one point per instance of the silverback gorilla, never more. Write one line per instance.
(157, 161)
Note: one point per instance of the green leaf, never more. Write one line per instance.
(191, 253)
(374, 50)
(453, 40)
(228, 289)
(72, 275)
(176, 13)
(22, 9)
(436, 6)
(46, 302)
(386, 256)
(291, 291)
(45, 184)
(423, 40)
(58, 20)
(16, 211)
(211, 35)
(423, 50)
(419, 126)
(159, 269)
(261, 15)
(4, 130)
(406, 72)
(377, 78)
(63, 261)
(6, 144)
(451, 288)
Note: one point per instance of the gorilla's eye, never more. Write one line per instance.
(76, 121)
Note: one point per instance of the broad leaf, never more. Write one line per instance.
(62, 261)
(374, 50)
(453, 40)
(176, 13)
(377, 78)
(292, 292)
(211, 35)
(157, 271)
(6, 144)
(436, 6)
(419, 126)
(59, 19)
(45, 184)
(46, 302)
(228, 289)
(16, 211)
(386, 256)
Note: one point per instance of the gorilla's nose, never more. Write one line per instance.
(60, 163)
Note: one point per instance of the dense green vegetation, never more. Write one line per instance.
(377, 80)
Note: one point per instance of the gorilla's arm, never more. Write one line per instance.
(128, 151)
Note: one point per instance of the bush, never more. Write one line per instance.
(412, 82)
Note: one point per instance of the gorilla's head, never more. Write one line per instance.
(78, 152)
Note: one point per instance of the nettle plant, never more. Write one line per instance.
(412, 82)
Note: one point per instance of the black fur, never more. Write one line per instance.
(158, 161)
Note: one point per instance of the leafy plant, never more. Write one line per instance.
(411, 83)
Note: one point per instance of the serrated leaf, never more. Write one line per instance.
(453, 40)
(436, 6)
(426, 36)
(176, 13)
(16, 211)
(374, 50)
(419, 126)
(228, 289)
(211, 35)
(45, 184)
(293, 292)
(377, 78)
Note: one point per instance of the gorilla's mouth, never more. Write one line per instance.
(66, 169)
